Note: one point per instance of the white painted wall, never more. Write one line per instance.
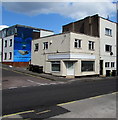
(8, 49)
(45, 33)
(110, 40)
(61, 48)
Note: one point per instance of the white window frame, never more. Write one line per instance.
(112, 64)
(5, 43)
(36, 45)
(107, 64)
(91, 45)
(110, 48)
(45, 45)
(5, 56)
(10, 55)
(55, 63)
(78, 43)
(108, 32)
(10, 43)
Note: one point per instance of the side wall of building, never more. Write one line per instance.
(107, 40)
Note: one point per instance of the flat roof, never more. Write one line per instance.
(25, 26)
(88, 17)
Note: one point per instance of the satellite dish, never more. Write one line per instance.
(111, 53)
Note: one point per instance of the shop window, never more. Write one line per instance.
(56, 66)
(88, 66)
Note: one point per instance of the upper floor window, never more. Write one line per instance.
(108, 48)
(10, 55)
(106, 64)
(108, 32)
(5, 56)
(112, 64)
(91, 45)
(45, 45)
(77, 43)
(5, 43)
(10, 44)
(36, 47)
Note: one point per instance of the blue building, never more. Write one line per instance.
(16, 43)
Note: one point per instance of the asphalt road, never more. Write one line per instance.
(23, 99)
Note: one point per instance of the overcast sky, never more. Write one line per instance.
(52, 15)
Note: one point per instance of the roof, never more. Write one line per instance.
(88, 17)
(17, 25)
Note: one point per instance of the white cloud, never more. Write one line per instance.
(75, 10)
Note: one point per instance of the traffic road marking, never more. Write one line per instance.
(43, 112)
(85, 99)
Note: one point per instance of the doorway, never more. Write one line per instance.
(70, 68)
(101, 67)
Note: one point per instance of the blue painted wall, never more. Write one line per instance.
(22, 45)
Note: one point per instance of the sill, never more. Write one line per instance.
(92, 49)
(108, 35)
(78, 48)
(55, 71)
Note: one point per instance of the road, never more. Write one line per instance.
(35, 97)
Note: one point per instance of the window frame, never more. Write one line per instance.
(45, 45)
(5, 43)
(10, 43)
(36, 49)
(109, 48)
(107, 64)
(5, 56)
(58, 63)
(108, 31)
(91, 45)
(112, 64)
(89, 69)
(10, 55)
(78, 43)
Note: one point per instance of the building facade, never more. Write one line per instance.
(67, 54)
(106, 30)
(16, 40)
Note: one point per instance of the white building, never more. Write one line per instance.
(107, 46)
(67, 54)
(106, 31)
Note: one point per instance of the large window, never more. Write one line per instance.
(56, 66)
(108, 48)
(108, 32)
(91, 45)
(77, 43)
(88, 66)
(36, 47)
(45, 45)
(10, 44)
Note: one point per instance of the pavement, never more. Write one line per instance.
(56, 78)
(14, 77)
(103, 106)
